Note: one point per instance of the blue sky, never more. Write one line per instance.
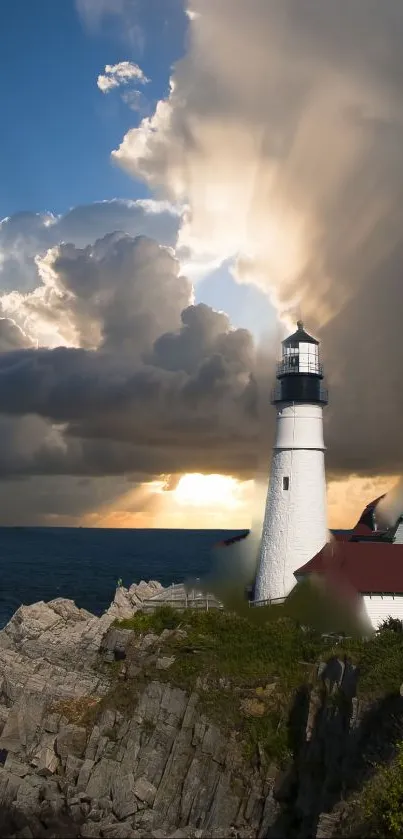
(59, 128)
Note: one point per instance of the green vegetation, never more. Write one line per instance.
(394, 624)
(163, 618)
(247, 673)
(382, 801)
(380, 660)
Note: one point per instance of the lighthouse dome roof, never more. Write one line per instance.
(299, 337)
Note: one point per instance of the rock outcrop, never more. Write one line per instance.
(127, 601)
(75, 763)
(161, 770)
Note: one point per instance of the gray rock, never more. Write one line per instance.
(133, 670)
(27, 801)
(224, 808)
(71, 740)
(118, 831)
(144, 790)
(102, 778)
(51, 809)
(124, 797)
(122, 606)
(76, 812)
(51, 723)
(198, 790)
(107, 721)
(73, 768)
(47, 762)
(85, 774)
(105, 804)
(16, 767)
(117, 640)
(214, 744)
(109, 656)
(90, 830)
(25, 833)
(22, 730)
(4, 712)
(92, 744)
(270, 811)
(29, 622)
(165, 662)
(101, 748)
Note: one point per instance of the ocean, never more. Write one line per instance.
(84, 565)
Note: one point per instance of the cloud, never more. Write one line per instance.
(122, 17)
(124, 73)
(290, 162)
(139, 381)
(24, 236)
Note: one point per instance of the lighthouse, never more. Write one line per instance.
(295, 521)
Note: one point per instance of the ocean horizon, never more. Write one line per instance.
(84, 564)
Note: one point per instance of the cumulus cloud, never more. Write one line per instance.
(123, 73)
(24, 236)
(293, 167)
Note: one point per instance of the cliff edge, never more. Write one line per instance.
(172, 725)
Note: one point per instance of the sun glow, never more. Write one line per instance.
(197, 490)
(188, 501)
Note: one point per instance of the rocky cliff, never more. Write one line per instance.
(97, 739)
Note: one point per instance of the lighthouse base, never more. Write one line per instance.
(295, 521)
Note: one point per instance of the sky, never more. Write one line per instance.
(179, 179)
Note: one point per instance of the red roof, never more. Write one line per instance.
(342, 535)
(375, 567)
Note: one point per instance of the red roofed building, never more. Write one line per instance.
(369, 562)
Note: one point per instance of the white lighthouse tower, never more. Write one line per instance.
(295, 521)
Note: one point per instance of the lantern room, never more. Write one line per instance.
(300, 354)
(300, 373)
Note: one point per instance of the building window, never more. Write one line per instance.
(286, 483)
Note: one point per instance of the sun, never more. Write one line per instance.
(197, 490)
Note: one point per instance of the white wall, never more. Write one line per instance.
(299, 427)
(295, 522)
(379, 608)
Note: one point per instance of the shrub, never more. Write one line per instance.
(383, 800)
(391, 625)
(164, 617)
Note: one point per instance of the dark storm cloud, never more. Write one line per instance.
(157, 385)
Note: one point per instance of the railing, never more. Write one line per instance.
(301, 366)
(271, 601)
(177, 597)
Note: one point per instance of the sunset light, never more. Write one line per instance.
(197, 490)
